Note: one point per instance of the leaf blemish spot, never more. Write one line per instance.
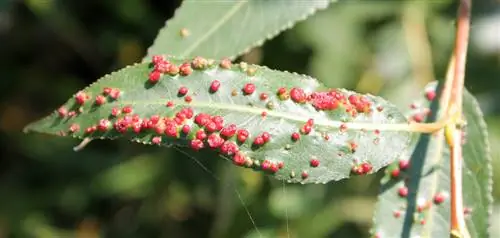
(62, 111)
(100, 100)
(249, 88)
(185, 69)
(81, 97)
(314, 162)
(214, 86)
(182, 91)
(74, 128)
(225, 63)
(184, 32)
(403, 191)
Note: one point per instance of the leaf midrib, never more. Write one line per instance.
(270, 113)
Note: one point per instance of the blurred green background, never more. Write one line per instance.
(49, 49)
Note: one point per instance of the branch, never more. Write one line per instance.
(454, 88)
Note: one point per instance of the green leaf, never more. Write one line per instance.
(228, 28)
(335, 134)
(429, 178)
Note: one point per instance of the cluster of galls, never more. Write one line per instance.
(330, 100)
(362, 168)
(421, 113)
(81, 99)
(423, 204)
(162, 66)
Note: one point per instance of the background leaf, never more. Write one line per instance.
(425, 211)
(228, 28)
(330, 143)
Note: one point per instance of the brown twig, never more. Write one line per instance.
(453, 132)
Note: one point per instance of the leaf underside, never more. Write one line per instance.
(425, 212)
(247, 23)
(331, 146)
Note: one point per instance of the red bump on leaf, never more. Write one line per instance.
(99, 100)
(304, 174)
(418, 117)
(188, 99)
(273, 168)
(366, 167)
(225, 64)
(263, 113)
(430, 95)
(115, 111)
(229, 148)
(258, 141)
(115, 93)
(127, 109)
(173, 70)
(310, 122)
(242, 135)
(196, 144)
(201, 119)
(154, 76)
(266, 137)
(343, 127)
(228, 131)
(295, 136)
(62, 111)
(186, 129)
(201, 135)
(211, 127)
(263, 96)
(103, 125)
(91, 129)
(353, 146)
(215, 141)
(170, 104)
(239, 159)
(404, 164)
(74, 128)
(306, 129)
(199, 62)
(107, 90)
(314, 163)
(154, 119)
(282, 93)
(265, 165)
(183, 91)
(161, 67)
(298, 95)
(157, 59)
(156, 140)
(403, 191)
(214, 86)
(185, 69)
(439, 198)
(395, 172)
(81, 97)
(325, 100)
(249, 88)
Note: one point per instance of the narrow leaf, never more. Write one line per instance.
(278, 122)
(228, 28)
(414, 202)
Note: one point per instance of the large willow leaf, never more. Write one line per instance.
(228, 28)
(314, 135)
(425, 212)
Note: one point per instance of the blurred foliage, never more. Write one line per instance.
(51, 48)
